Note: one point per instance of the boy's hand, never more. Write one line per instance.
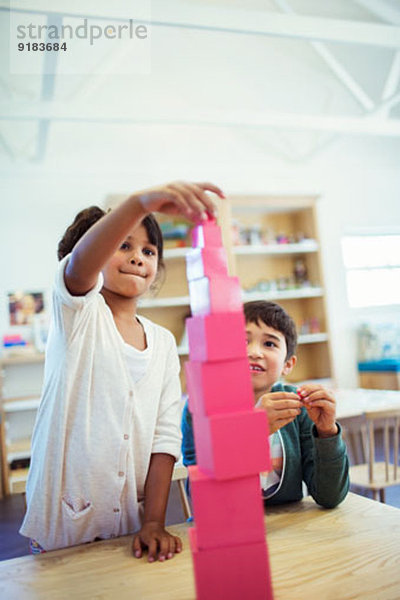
(321, 408)
(180, 198)
(281, 408)
(153, 536)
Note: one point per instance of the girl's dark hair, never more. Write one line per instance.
(86, 218)
(274, 316)
(82, 222)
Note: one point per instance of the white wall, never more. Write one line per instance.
(358, 179)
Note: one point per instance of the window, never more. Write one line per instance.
(372, 265)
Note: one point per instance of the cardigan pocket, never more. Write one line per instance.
(76, 507)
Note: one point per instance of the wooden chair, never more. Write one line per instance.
(180, 474)
(372, 474)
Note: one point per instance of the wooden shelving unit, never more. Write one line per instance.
(291, 215)
(17, 413)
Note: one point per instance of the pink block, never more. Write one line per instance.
(217, 337)
(219, 387)
(237, 514)
(206, 234)
(206, 262)
(214, 295)
(232, 445)
(236, 572)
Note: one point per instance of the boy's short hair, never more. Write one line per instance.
(274, 316)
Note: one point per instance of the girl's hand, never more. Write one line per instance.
(153, 536)
(281, 408)
(180, 198)
(321, 408)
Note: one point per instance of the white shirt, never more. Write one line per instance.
(96, 429)
(137, 361)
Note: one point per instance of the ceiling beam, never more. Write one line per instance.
(393, 78)
(386, 106)
(381, 9)
(57, 112)
(334, 65)
(180, 15)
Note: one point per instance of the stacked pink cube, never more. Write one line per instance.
(231, 437)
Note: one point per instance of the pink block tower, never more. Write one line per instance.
(231, 437)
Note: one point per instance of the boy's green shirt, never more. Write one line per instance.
(321, 463)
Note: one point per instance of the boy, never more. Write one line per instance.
(305, 440)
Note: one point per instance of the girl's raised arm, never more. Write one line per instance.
(100, 242)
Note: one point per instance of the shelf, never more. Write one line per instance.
(18, 449)
(11, 405)
(17, 479)
(309, 292)
(292, 294)
(176, 252)
(312, 338)
(298, 248)
(21, 359)
(309, 338)
(273, 249)
(160, 302)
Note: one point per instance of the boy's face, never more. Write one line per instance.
(266, 351)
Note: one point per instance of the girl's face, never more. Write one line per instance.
(133, 268)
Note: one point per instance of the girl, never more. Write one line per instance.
(107, 432)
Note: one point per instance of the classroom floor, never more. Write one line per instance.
(12, 511)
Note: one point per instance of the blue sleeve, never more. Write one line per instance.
(188, 449)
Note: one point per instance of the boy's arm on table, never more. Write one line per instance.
(153, 534)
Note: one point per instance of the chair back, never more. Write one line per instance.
(389, 421)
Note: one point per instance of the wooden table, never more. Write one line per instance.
(353, 403)
(350, 552)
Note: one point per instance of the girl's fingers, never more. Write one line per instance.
(152, 550)
(137, 547)
(164, 547)
(179, 200)
(203, 198)
(178, 543)
(210, 187)
(190, 199)
(171, 547)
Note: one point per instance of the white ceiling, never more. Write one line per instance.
(288, 74)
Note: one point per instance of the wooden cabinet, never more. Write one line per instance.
(20, 386)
